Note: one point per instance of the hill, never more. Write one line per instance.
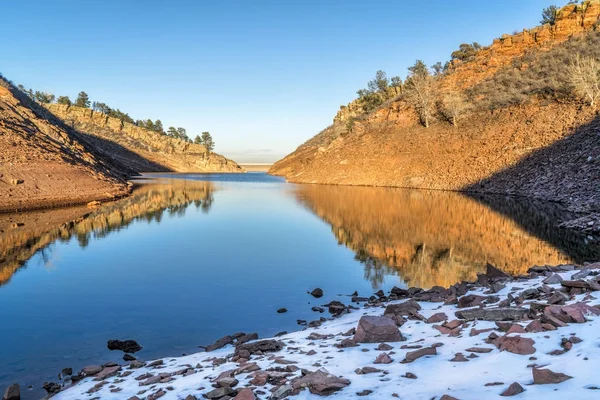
(520, 127)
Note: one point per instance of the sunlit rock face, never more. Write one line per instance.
(24, 234)
(436, 238)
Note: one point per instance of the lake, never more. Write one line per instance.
(188, 258)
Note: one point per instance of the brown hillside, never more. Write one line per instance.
(141, 149)
(45, 163)
(542, 148)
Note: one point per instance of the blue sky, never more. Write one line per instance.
(261, 76)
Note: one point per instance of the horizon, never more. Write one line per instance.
(261, 78)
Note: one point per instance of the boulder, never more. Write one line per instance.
(318, 293)
(437, 317)
(245, 394)
(494, 273)
(493, 314)
(513, 390)
(220, 392)
(570, 313)
(127, 346)
(553, 279)
(222, 342)
(470, 300)
(263, 346)
(414, 355)
(407, 308)
(13, 392)
(515, 344)
(546, 376)
(91, 369)
(383, 358)
(108, 372)
(376, 329)
(321, 383)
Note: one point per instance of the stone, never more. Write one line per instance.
(282, 392)
(546, 376)
(13, 392)
(384, 347)
(493, 314)
(367, 370)
(91, 370)
(282, 310)
(479, 349)
(151, 380)
(245, 394)
(321, 383)
(376, 329)
(244, 338)
(220, 343)
(317, 293)
(17, 182)
(570, 313)
(494, 273)
(448, 397)
(128, 357)
(220, 392)
(189, 397)
(108, 372)
(407, 308)
(365, 392)
(515, 344)
(51, 387)
(127, 346)
(470, 300)
(383, 358)
(227, 382)
(414, 355)
(553, 279)
(437, 317)
(513, 390)
(459, 357)
(535, 326)
(262, 346)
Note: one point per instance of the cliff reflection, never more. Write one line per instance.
(433, 238)
(24, 234)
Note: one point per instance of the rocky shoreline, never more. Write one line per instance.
(533, 335)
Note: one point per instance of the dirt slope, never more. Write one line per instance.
(44, 163)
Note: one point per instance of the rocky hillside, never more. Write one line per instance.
(539, 147)
(139, 148)
(45, 163)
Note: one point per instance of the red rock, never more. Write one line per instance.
(479, 349)
(321, 383)
(376, 329)
(453, 324)
(383, 358)
(515, 344)
(245, 394)
(516, 328)
(414, 355)
(437, 317)
(535, 326)
(513, 390)
(546, 376)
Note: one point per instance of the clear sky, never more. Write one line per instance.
(261, 76)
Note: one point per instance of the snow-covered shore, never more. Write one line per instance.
(565, 340)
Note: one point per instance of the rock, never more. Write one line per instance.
(51, 387)
(128, 357)
(534, 326)
(414, 355)
(384, 347)
(220, 392)
(282, 310)
(220, 343)
(367, 370)
(241, 339)
(581, 274)
(493, 314)
(282, 392)
(13, 392)
(137, 364)
(383, 358)
(494, 273)
(91, 370)
(151, 380)
(570, 313)
(318, 293)
(448, 397)
(321, 382)
(365, 392)
(513, 390)
(263, 346)
(188, 397)
(16, 182)
(407, 308)
(479, 349)
(470, 300)
(437, 317)
(459, 357)
(245, 394)
(66, 371)
(546, 376)
(127, 346)
(553, 279)
(108, 372)
(515, 344)
(347, 343)
(376, 329)
(227, 382)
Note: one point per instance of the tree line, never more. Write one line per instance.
(569, 71)
(83, 101)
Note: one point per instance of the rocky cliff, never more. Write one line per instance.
(540, 148)
(141, 149)
(45, 163)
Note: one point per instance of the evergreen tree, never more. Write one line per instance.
(83, 100)
(207, 141)
(64, 100)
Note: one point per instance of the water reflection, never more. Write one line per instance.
(438, 238)
(25, 234)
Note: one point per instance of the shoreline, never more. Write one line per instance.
(432, 334)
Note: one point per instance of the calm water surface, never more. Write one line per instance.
(189, 258)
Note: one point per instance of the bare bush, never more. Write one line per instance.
(584, 75)
(453, 105)
(421, 91)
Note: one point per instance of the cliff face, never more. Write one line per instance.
(141, 149)
(45, 163)
(543, 149)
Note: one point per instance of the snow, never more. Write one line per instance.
(436, 375)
